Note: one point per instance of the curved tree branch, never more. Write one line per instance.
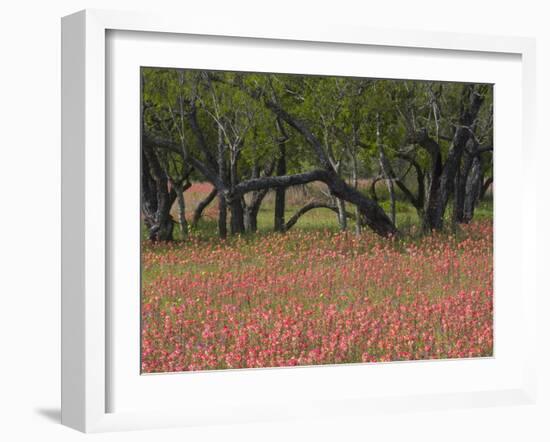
(488, 182)
(310, 206)
(281, 181)
(375, 180)
(197, 214)
(418, 201)
(422, 138)
(374, 215)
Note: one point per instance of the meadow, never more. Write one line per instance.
(315, 295)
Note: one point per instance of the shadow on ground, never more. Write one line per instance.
(51, 414)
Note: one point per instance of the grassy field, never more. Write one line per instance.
(315, 295)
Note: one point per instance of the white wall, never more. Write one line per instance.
(30, 214)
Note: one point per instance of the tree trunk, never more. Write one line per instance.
(462, 134)
(342, 216)
(222, 216)
(442, 177)
(280, 207)
(251, 219)
(280, 192)
(197, 214)
(449, 175)
(184, 228)
(235, 202)
(433, 179)
(251, 211)
(385, 168)
(430, 220)
(372, 213)
(160, 224)
(460, 189)
(237, 215)
(164, 227)
(485, 187)
(355, 182)
(472, 190)
(418, 200)
(149, 203)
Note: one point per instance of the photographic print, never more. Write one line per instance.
(293, 220)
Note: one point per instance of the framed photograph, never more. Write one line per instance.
(264, 223)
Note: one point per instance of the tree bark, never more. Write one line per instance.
(422, 138)
(460, 188)
(237, 215)
(469, 113)
(355, 181)
(222, 213)
(280, 192)
(180, 190)
(160, 224)
(385, 168)
(250, 219)
(430, 220)
(251, 211)
(222, 216)
(416, 201)
(473, 189)
(342, 215)
(485, 187)
(149, 203)
(442, 177)
(184, 228)
(197, 214)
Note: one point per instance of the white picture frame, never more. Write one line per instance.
(87, 356)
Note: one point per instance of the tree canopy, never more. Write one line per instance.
(251, 133)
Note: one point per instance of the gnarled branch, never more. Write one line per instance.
(310, 206)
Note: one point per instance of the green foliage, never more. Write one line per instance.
(351, 117)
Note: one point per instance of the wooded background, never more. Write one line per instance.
(429, 143)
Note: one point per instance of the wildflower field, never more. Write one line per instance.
(316, 296)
